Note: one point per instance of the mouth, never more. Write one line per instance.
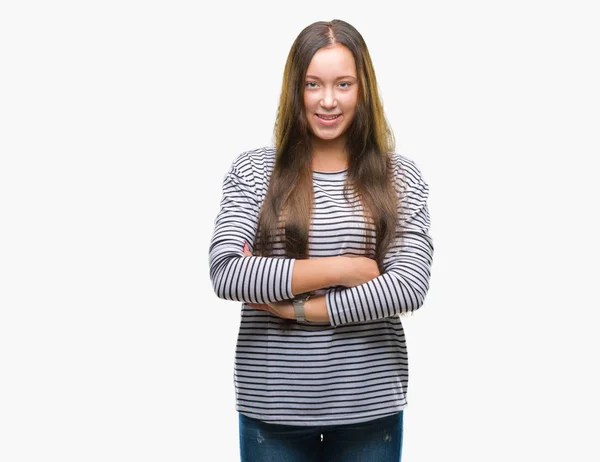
(328, 117)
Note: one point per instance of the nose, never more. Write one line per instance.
(328, 100)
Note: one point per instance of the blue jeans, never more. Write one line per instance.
(378, 440)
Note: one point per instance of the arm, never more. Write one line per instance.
(317, 273)
(315, 309)
(407, 267)
(257, 279)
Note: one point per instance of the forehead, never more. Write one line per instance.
(331, 62)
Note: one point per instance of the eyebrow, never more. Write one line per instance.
(342, 77)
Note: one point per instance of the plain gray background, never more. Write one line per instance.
(118, 122)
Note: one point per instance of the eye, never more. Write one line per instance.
(309, 84)
(346, 83)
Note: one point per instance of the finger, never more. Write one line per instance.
(259, 306)
(246, 250)
(266, 308)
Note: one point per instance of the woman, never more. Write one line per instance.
(324, 238)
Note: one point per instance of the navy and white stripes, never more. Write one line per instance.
(355, 368)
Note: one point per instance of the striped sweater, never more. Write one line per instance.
(350, 370)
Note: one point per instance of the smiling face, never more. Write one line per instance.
(330, 93)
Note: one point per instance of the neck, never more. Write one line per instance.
(329, 155)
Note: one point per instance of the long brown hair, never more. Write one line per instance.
(287, 208)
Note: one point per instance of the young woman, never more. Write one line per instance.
(324, 238)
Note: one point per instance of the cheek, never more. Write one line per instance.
(350, 103)
(309, 103)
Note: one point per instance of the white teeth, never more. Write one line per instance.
(328, 118)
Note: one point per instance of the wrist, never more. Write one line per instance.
(315, 309)
(298, 303)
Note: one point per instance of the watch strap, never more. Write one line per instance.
(298, 303)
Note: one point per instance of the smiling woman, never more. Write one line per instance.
(330, 99)
(324, 238)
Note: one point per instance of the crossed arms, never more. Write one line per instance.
(361, 294)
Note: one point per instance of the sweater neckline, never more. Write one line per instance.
(330, 175)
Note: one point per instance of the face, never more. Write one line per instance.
(330, 89)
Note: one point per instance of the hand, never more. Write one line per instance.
(283, 309)
(357, 270)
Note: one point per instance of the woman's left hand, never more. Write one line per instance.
(283, 309)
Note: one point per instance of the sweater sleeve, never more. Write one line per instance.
(402, 287)
(235, 276)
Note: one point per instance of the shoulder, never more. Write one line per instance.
(251, 171)
(254, 163)
(408, 177)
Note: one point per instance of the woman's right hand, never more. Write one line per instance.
(357, 270)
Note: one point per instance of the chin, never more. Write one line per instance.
(327, 138)
(324, 135)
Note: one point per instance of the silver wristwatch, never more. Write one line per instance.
(298, 302)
